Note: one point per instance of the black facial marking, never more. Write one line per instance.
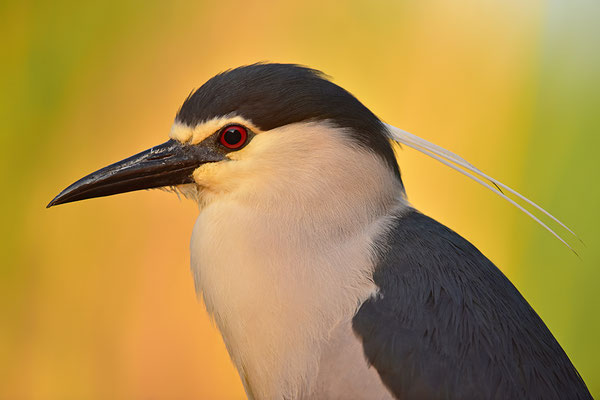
(274, 95)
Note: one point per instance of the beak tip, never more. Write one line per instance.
(57, 200)
(52, 203)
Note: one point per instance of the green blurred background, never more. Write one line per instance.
(97, 301)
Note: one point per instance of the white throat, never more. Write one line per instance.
(282, 250)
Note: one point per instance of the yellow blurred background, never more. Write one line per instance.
(97, 301)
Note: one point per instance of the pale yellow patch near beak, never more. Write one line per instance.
(196, 134)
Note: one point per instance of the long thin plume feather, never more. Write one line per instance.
(444, 156)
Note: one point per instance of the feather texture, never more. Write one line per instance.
(459, 164)
(447, 324)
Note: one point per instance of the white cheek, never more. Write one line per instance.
(282, 252)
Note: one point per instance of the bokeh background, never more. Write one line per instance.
(97, 301)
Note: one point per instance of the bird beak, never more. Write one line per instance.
(168, 164)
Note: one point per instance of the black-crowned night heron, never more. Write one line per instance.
(323, 280)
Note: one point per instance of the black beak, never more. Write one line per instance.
(168, 164)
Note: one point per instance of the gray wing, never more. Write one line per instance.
(447, 324)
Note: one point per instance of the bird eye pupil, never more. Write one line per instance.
(232, 136)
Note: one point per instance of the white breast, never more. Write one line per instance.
(344, 373)
(284, 262)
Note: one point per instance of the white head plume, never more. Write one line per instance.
(461, 165)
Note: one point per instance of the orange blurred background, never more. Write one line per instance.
(97, 300)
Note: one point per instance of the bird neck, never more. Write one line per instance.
(280, 269)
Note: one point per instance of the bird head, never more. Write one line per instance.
(260, 128)
(284, 132)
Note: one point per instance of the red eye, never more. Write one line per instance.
(233, 136)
